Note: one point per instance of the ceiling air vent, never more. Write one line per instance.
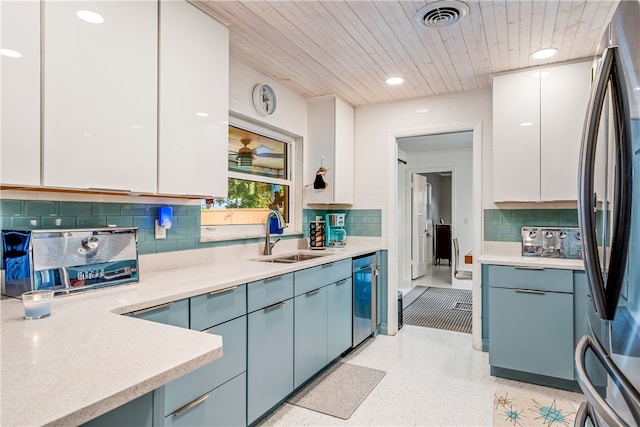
(441, 13)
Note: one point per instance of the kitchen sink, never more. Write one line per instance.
(288, 259)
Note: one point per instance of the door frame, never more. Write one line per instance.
(391, 222)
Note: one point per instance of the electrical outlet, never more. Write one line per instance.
(161, 232)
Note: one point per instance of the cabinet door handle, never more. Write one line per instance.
(529, 267)
(155, 307)
(222, 291)
(313, 292)
(529, 291)
(189, 406)
(274, 306)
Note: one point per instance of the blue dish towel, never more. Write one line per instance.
(276, 223)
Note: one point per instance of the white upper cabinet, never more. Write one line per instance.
(537, 130)
(193, 102)
(100, 95)
(564, 98)
(516, 137)
(20, 71)
(330, 144)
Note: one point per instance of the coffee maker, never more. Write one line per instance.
(336, 233)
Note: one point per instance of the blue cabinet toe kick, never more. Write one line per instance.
(543, 380)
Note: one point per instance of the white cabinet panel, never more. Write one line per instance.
(537, 130)
(193, 102)
(330, 144)
(20, 139)
(100, 95)
(516, 137)
(564, 96)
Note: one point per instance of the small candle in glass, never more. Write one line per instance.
(37, 304)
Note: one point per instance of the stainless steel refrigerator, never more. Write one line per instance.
(608, 357)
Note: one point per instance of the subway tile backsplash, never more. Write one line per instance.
(359, 222)
(183, 235)
(505, 225)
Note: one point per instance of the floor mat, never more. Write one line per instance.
(524, 410)
(441, 308)
(339, 390)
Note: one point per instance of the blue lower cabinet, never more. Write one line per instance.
(233, 362)
(223, 406)
(269, 357)
(339, 321)
(310, 336)
(174, 313)
(218, 306)
(138, 412)
(532, 332)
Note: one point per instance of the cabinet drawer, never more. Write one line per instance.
(263, 293)
(175, 313)
(551, 279)
(233, 362)
(218, 306)
(224, 406)
(532, 332)
(316, 277)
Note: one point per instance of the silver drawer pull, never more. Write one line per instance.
(528, 267)
(271, 279)
(341, 282)
(313, 292)
(155, 307)
(222, 291)
(189, 406)
(276, 305)
(529, 291)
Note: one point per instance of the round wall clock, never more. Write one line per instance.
(264, 99)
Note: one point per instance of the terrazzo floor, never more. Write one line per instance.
(434, 378)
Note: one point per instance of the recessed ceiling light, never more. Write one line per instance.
(525, 124)
(545, 53)
(89, 16)
(394, 80)
(10, 53)
(202, 115)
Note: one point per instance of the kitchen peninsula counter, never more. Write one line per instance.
(87, 358)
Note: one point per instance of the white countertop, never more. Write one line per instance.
(86, 359)
(537, 262)
(510, 254)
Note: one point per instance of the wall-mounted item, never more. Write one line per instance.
(264, 99)
(319, 183)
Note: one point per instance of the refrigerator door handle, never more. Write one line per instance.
(605, 295)
(584, 415)
(596, 402)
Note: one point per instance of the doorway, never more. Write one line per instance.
(446, 161)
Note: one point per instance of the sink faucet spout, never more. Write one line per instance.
(268, 246)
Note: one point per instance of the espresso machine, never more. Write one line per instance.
(336, 233)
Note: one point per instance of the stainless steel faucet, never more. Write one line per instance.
(268, 246)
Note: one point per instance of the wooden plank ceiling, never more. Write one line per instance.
(349, 48)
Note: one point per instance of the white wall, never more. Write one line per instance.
(377, 127)
(291, 111)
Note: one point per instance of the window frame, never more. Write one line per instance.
(293, 169)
